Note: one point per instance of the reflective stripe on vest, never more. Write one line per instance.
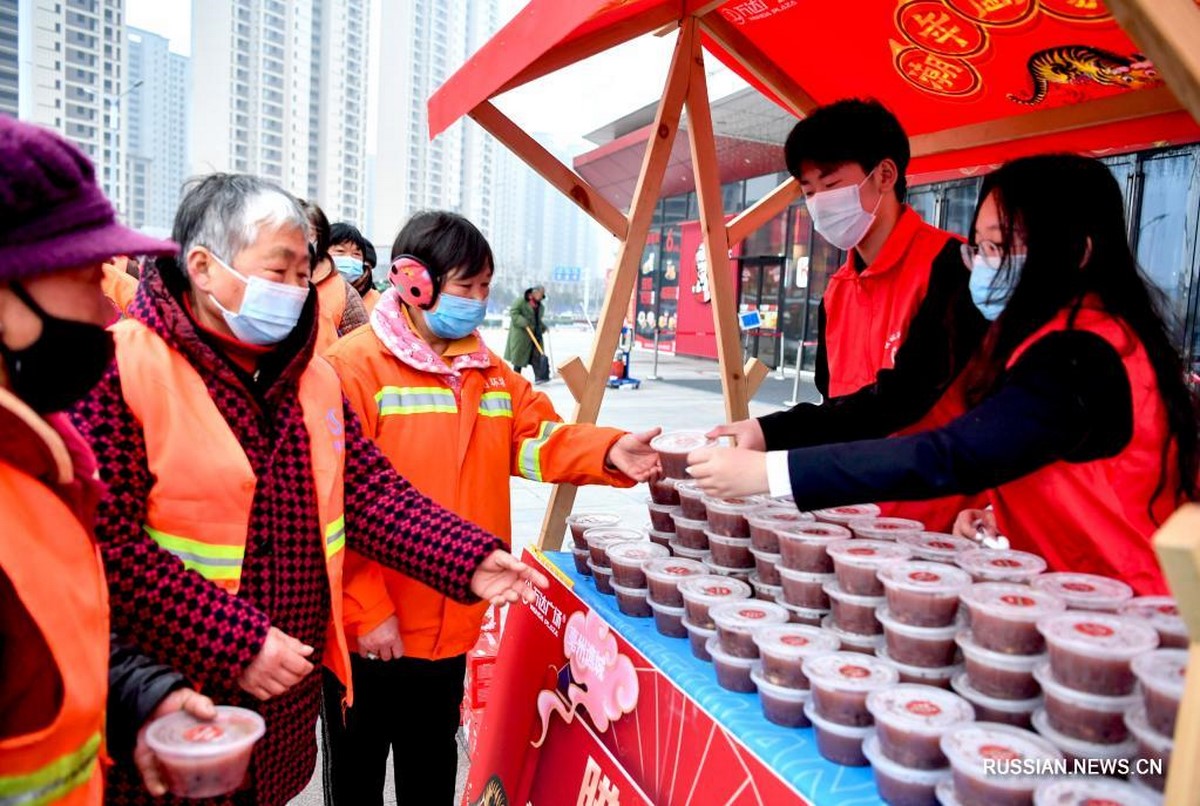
(335, 537)
(214, 562)
(53, 781)
(496, 404)
(415, 400)
(529, 461)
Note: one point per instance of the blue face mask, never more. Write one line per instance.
(269, 310)
(991, 290)
(348, 266)
(455, 317)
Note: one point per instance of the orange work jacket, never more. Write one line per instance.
(331, 305)
(118, 285)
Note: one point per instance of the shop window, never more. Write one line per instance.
(1167, 223)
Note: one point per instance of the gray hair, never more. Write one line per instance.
(225, 212)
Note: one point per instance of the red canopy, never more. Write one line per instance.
(974, 82)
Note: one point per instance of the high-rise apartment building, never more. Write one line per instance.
(73, 78)
(9, 59)
(157, 124)
(282, 95)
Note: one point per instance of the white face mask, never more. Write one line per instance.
(839, 216)
(269, 310)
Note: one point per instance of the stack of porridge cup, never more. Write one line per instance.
(856, 593)
(765, 526)
(699, 595)
(840, 683)
(1161, 674)
(599, 539)
(666, 498)
(664, 576)
(783, 688)
(627, 560)
(579, 523)
(920, 619)
(733, 650)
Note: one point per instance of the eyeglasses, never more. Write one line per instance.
(993, 253)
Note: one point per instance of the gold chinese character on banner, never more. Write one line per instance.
(994, 12)
(938, 75)
(933, 27)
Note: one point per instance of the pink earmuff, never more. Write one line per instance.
(412, 280)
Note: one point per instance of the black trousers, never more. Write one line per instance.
(409, 706)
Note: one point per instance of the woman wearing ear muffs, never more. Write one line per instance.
(457, 422)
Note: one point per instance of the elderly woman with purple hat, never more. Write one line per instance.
(56, 229)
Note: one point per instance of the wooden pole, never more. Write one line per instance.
(1168, 31)
(763, 211)
(761, 66)
(612, 316)
(1178, 547)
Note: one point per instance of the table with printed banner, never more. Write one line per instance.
(592, 707)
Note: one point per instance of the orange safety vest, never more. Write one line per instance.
(1096, 517)
(54, 566)
(331, 305)
(199, 507)
(867, 313)
(118, 285)
(369, 299)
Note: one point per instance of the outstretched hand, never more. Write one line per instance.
(633, 456)
(183, 699)
(729, 472)
(746, 434)
(503, 579)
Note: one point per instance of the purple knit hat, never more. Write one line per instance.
(53, 216)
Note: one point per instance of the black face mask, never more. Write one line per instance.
(62, 366)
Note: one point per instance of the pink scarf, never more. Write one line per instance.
(392, 328)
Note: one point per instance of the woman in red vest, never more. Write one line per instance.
(1074, 415)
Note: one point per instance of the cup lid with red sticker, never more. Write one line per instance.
(711, 589)
(868, 552)
(590, 519)
(924, 577)
(935, 544)
(1098, 635)
(1160, 611)
(795, 641)
(182, 734)
(633, 551)
(781, 517)
(1000, 564)
(813, 531)
(1081, 791)
(673, 568)
(680, 441)
(1164, 670)
(746, 615)
(886, 528)
(1011, 601)
(850, 671)
(970, 747)
(847, 513)
(603, 535)
(914, 708)
(1084, 591)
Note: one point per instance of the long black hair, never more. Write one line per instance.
(1069, 212)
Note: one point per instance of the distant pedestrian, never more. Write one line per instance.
(348, 249)
(526, 334)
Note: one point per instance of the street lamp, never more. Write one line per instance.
(114, 101)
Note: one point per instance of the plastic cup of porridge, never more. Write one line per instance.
(1085, 591)
(1163, 614)
(690, 533)
(766, 565)
(841, 683)
(599, 539)
(738, 621)
(1004, 616)
(884, 528)
(853, 642)
(803, 546)
(627, 559)
(691, 500)
(727, 516)
(632, 601)
(1150, 745)
(661, 538)
(673, 448)
(1093, 652)
(698, 638)
(998, 674)
(939, 677)
(698, 555)
(1017, 713)
(783, 648)
(930, 647)
(856, 563)
(977, 751)
(781, 705)
(730, 552)
(733, 671)
(1008, 565)
(1099, 791)
(802, 589)
(923, 594)
(900, 785)
(843, 515)
(603, 578)
(205, 759)
(580, 522)
(765, 525)
(911, 720)
(1162, 674)
(768, 593)
(809, 616)
(668, 620)
(581, 555)
(664, 576)
(935, 546)
(700, 593)
(1082, 716)
(841, 744)
(853, 614)
(663, 492)
(662, 516)
(1074, 748)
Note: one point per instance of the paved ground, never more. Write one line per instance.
(687, 395)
